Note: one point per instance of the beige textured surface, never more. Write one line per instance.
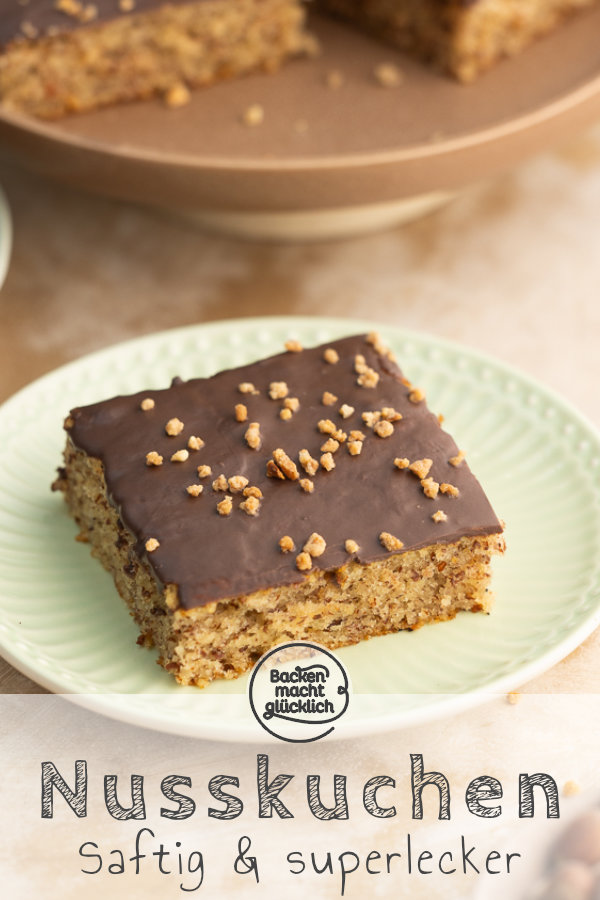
(510, 267)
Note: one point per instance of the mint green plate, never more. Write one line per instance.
(63, 624)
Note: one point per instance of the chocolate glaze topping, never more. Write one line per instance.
(210, 556)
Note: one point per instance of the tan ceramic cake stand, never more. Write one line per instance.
(324, 162)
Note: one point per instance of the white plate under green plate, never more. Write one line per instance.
(63, 624)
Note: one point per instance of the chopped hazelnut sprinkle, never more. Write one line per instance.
(241, 412)
(331, 356)
(307, 485)
(180, 456)
(303, 562)
(251, 506)
(456, 460)
(174, 427)
(390, 414)
(293, 346)
(278, 390)
(401, 462)
(287, 465)
(220, 483)
(355, 448)
(286, 544)
(154, 459)
(204, 471)
(416, 395)
(177, 95)
(356, 436)
(383, 429)
(326, 426)
(390, 542)
(194, 490)
(315, 545)
(439, 516)
(330, 446)
(273, 471)
(308, 463)
(291, 403)
(449, 489)
(430, 487)
(368, 379)
(328, 462)
(237, 483)
(371, 417)
(246, 387)
(328, 399)
(285, 414)
(346, 411)
(351, 546)
(147, 403)
(151, 545)
(225, 506)
(195, 442)
(421, 467)
(252, 436)
(252, 491)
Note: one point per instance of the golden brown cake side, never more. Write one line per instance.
(158, 51)
(223, 639)
(463, 37)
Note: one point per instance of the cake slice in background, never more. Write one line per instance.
(462, 37)
(73, 56)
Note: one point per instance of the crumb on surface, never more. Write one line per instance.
(286, 544)
(346, 411)
(204, 471)
(439, 516)
(246, 387)
(350, 546)
(194, 490)
(252, 491)
(220, 483)
(328, 399)
(307, 485)
(152, 544)
(330, 446)
(180, 456)
(253, 115)
(177, 95)
(331, 356)
(154, 459)
(147, 403)
(293, 346)
(388, 75)
(355, 448)
(291, 403)
(326, 426)
(401, 462)
(334, 79)
(195, 442)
